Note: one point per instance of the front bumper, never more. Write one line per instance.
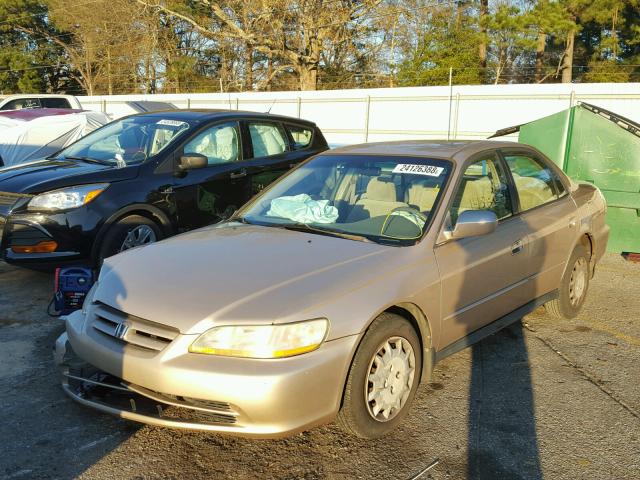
(244, 397)
(74, 237)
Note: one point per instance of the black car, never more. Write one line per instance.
(143, 178)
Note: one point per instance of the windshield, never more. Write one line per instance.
(383, 199)
(128, 141)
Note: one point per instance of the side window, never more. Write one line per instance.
(484, 186)
(267, 139)
(220, 144)
(301, 136)
(55, 103)
(535, 183)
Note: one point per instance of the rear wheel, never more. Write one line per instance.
(383, 378)
(129, 232)
(573, 286)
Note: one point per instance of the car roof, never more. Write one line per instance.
(456, 150)
(205, 114)
(36, 95)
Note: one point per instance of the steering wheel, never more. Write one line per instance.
(409, 216)
(139, 156)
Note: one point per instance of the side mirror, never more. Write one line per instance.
(473, 223)
(192, 161)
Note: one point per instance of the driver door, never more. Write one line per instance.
(208, 195)
(482, 277)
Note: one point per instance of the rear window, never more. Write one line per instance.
(55, 103)
(267, 139)
(301, 136)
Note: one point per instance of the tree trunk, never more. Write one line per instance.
(248, 61)
(567, 59)
(267, 86)
(308, 74)
(540, 48)
(482, 48)
(109, 79)
(614, 33)
(88, 77)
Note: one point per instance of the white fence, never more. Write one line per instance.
(355, 116)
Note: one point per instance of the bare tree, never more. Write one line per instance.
(294, 34)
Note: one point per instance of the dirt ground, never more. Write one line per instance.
(542, 399)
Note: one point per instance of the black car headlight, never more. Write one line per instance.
(66, 198)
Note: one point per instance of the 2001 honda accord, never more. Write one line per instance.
(334, 292)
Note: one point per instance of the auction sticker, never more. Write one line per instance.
(173, 123)
(414, 169)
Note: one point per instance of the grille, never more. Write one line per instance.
(111, 391)
(26, 235)
(205, 411)
(132, 330)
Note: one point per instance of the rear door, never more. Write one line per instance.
(270, 150)
(276, 147)
(483, 277)
(549, 214)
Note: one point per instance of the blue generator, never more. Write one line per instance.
(71, 287)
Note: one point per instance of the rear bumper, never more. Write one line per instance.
(243, 397)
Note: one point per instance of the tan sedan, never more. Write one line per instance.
(333, 294)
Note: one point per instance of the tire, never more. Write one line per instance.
(573, 286)
(356, 415)
(115, 240)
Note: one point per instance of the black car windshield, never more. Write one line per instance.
(385, 199)
(128, 141)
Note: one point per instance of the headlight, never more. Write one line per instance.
(262, 341)
(66, 198)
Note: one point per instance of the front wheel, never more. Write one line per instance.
(573, 286)
(128, 232)
(383, 378)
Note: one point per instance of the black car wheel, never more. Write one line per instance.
(128, 232)
(383, 378)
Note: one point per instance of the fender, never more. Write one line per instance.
(166, 223)
(416, 316)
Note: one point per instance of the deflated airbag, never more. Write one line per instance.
(303, 209)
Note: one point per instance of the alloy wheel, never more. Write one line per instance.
(139, 235)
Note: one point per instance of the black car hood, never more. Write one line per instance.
(44, 175)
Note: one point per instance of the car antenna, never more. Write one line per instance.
(274, 102)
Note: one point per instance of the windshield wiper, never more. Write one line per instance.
(238, 219)
(304, 227)
(88, 160)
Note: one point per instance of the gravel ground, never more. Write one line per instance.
(542, 399)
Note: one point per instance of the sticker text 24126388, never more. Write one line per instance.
(418, 169)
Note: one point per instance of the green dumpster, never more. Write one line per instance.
(594, 145)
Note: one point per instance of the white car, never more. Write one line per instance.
(18, 102)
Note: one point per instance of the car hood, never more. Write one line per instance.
(234, 273)
(43, 175)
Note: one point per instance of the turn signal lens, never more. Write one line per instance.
(47, 246)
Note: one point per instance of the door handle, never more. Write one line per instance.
(240, 174)
(516, 247)
(293, 165)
